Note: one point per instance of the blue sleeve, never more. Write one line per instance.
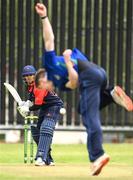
(49, 59)
(77, 54)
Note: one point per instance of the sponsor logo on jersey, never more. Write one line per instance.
(57, 77)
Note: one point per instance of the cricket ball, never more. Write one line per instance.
(62, 111)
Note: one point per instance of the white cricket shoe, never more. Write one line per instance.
(51, 163)
(40, 162)
(99, 164)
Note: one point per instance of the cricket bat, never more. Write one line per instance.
(16, 96)
(13, 92)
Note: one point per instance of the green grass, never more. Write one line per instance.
(71, 163)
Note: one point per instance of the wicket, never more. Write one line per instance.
(28, 122)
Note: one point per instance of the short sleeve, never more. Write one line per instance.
(48, 59)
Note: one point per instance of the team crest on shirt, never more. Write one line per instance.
(61, 64)
(57, 77)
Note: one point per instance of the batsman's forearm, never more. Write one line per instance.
(48, 34)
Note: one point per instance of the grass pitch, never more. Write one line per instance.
(71, 163)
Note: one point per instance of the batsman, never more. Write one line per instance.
(49, 104)
(73, 70)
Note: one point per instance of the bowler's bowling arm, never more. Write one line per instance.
(48, 35)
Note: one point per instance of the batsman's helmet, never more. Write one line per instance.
(28, 70)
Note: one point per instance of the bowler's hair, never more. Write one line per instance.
(39, 74)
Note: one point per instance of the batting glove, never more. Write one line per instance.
(23, 110)
(27, 103)
(21, 103)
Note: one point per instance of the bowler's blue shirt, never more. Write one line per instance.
(56, 67)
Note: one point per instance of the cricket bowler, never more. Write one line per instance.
(73, 70)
